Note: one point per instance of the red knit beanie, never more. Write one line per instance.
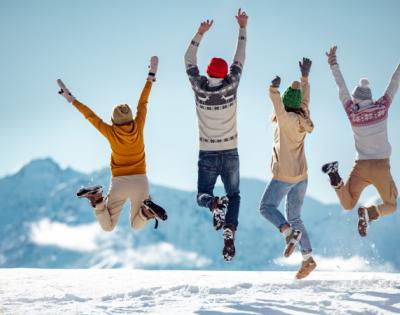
(217, 68)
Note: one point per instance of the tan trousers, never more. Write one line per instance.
(134, 187)
(363, 174)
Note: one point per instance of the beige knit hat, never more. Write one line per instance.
(122, 114)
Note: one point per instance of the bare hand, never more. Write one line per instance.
(332, 60)
(205, 26)
(241, 18)
(305, 67)
(65, 92)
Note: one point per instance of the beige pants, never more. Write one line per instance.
(134, 187)
(363, 174)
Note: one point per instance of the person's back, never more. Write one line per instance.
(216, 105)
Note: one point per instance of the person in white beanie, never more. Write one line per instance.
(368, 119)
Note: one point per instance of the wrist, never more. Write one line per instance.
(151, 76)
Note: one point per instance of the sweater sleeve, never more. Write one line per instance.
(394, 84)
(104, 128)
(240, 54)
(142, 105)
(280, 111)
(344, 94)
(305, 94)
(191, 56)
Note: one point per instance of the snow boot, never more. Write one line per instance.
(153, 211)
(332, 169)
(307, 266)
(93, 193)
(366, 215)
(218, 209)
(229, 242)
(291, 242)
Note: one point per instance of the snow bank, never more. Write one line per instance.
(124, 291)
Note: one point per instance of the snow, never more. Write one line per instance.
(127, 291)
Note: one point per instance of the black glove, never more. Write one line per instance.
(276, 82)
(305, 67)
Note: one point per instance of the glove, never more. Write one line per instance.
(276, 82)
(65, 92)
(153, 68)
(305, 67)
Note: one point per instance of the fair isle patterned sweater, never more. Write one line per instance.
(369, 122)
(216, 98)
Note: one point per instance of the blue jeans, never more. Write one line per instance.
(295, 193)
(225, 164)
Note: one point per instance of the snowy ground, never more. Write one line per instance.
(124, 291)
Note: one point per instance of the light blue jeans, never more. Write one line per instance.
(274, 193)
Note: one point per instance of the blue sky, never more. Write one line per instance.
(101, 51)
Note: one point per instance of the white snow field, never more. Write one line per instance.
(127, 291)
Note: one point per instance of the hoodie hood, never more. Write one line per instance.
(306, 123)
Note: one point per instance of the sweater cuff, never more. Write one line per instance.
(274, 90)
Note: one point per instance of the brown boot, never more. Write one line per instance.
(291, 242)
(307, 266)
(93, 193)
(373, 213)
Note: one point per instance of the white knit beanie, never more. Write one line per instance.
(362, 91)
(121, 114)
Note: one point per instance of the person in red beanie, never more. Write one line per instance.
(215, 96)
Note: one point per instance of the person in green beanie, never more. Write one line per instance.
(289, 166)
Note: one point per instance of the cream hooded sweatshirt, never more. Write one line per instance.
(288, 158)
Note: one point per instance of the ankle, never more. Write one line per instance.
(306, 256)
(286, 230)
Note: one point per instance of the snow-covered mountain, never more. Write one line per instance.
(43, 224)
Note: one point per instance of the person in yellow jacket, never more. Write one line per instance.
(128, 165)
(289, 166)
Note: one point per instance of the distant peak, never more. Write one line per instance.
(42, 165)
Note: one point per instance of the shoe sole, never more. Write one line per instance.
(362, 222)
(289, 250)
(83, 191)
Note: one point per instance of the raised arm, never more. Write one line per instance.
(305, 68)
(394, 84)
(240, 54)
(191, 52)
(141, 112)
(90, 115)
(280, 111)
(344, 94)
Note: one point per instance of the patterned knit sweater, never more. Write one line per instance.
(216, 98)
(369, 122)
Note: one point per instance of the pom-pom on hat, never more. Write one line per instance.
(121, 115)
(292, 96)
(217, 68)
(362, 91)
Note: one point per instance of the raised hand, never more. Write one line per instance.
(305, 67)
(276, 82)
(65, 92)
(241, 18)
(205, 26)
(153, 66)
(331, 54)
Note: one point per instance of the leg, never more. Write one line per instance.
(108, 212)
(208, 171)
(349, 194)
(139, 191)
(386, 187)
(270, 201)
(231, 179)
(294, 203)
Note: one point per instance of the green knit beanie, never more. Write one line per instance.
(292, 96)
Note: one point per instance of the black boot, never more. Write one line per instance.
(218, 209)
(229, 242)
(332, 169)
(93, 193)
(153, 211)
